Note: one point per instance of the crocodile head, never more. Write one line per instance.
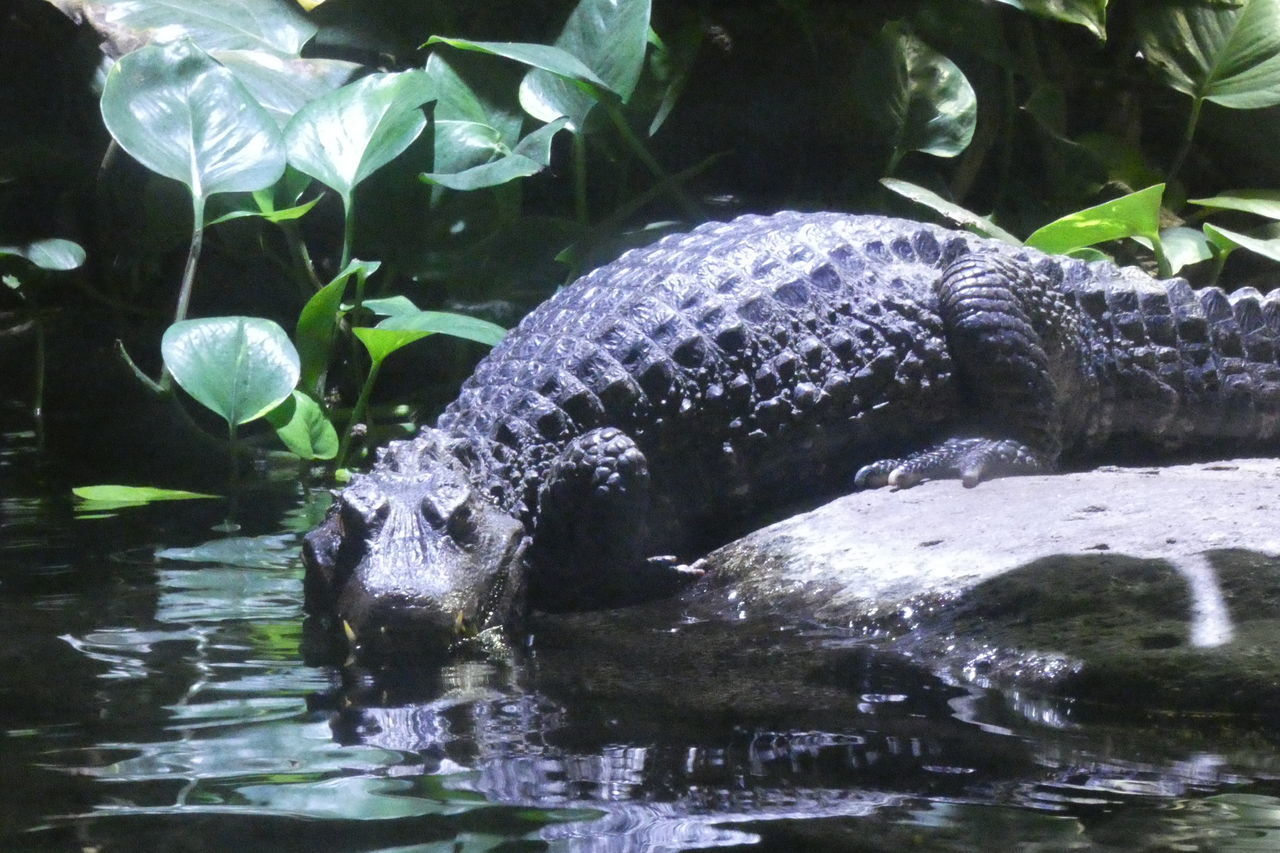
(412, 553)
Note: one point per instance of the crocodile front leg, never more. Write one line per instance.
(590, 544)
(1014, 340)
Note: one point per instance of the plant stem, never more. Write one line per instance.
(1193, 121)
(580, 178)
(678, 194)
(357, 414)
(348, 228)
(189, 272)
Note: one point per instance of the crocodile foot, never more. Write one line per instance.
(971, 460)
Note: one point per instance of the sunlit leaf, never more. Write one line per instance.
(345, 136)
(458, 325)
(957, 214)
(1135, 214)
(1090, 14)
(383, 342)
(239, 367)
(390, 306)
(610, 38)
(1225, 53)
(301, 425)
(53, 254)
(94, 499)
(1262, 202)
(183, 115)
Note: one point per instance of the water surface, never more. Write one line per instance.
(151, 701)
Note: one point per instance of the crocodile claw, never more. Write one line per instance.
(970, 460)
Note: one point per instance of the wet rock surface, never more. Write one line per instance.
(1143, 587)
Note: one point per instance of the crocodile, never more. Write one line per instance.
(715, 380)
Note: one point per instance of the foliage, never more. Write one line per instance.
(482, 159)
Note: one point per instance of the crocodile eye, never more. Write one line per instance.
(462, 523)
(360, 516)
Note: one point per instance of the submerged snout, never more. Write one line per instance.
(407, 573)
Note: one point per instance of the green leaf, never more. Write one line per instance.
(1184, 247)
(531, 155)
(316, 325)
(1133, 214)
(383, 342)
(53, 254)
(345, 136)
(391, 306)
(181, 114)
(239, 367)
(1228, 54)
(610, 38)
(1262, 202)
(111, 497)
(957, 214)
(302, 426)
(283, 85)
(458, 325)
(1265, 242)
(542, 56)
(1090, 14)
(460, 145)
(265, 25)
(459, 101)
(919, 98)
(286, 215)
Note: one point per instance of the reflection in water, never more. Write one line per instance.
(151, 703)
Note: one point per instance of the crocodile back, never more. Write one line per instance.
(748, 353)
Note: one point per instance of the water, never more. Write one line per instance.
(159, 703)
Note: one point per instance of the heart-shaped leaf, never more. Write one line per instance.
(918, 97)
(345, 136)
(53, 254)
(301, 425)
(458, 100)
(531, 155)
(607, 36)
(1090, 14)
(183, 115)
(383, 342)
(266, 25)
(239, 367)
(284, 84)
(1184, 246)
(1225, 53)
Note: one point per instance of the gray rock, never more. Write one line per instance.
(1151, 586)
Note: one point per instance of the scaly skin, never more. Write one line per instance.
(671, 399)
